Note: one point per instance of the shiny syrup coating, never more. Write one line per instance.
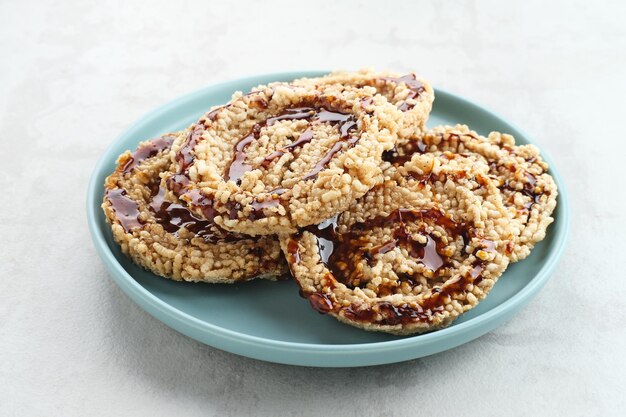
(184, 156)
(416, 88)
(174, 216)
(335, 149)
(401, 155)
(342, 253)
(126, 209)
(203, 202)
(238, 165)
(425, 253)
(179, 182)
(258, 206)
(529, 189)
(148, 150)
(326, 235)
(304, 138)
(313, 114)
(316, 113)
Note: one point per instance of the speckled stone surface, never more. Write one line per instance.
(73, 75)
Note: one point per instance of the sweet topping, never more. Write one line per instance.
(411, 95)
(415, 86)
(401, 260)
(527, 190)
(174, 216)
(313, 115)
(148, 150)
(386, 226)
(164, 236)
(299, 158)
(126, 210)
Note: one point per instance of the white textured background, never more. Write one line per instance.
(73, 75)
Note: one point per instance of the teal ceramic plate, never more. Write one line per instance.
(268, 320)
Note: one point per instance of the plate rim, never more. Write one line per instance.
(267, 347)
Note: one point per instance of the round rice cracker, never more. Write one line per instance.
(528, 191)
(163, 236)
(412, 95)
(283, 157)
(412, 254)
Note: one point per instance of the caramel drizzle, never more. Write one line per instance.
(529, 191)
(416, 88)
(126, 209)
(184, 156)
(179, 184)
(314, 115)
(171, 216)
(529, 188)
(399, 155)
(343, 253)
(334, 150)
(174, 216)
(148, 150)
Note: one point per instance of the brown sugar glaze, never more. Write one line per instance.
(179, 183)
(148, 150)
(345, 255)
(313, 114)
(172, 216)
(320, 110)
(399, 155)
(126, 209)
(416, 88)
